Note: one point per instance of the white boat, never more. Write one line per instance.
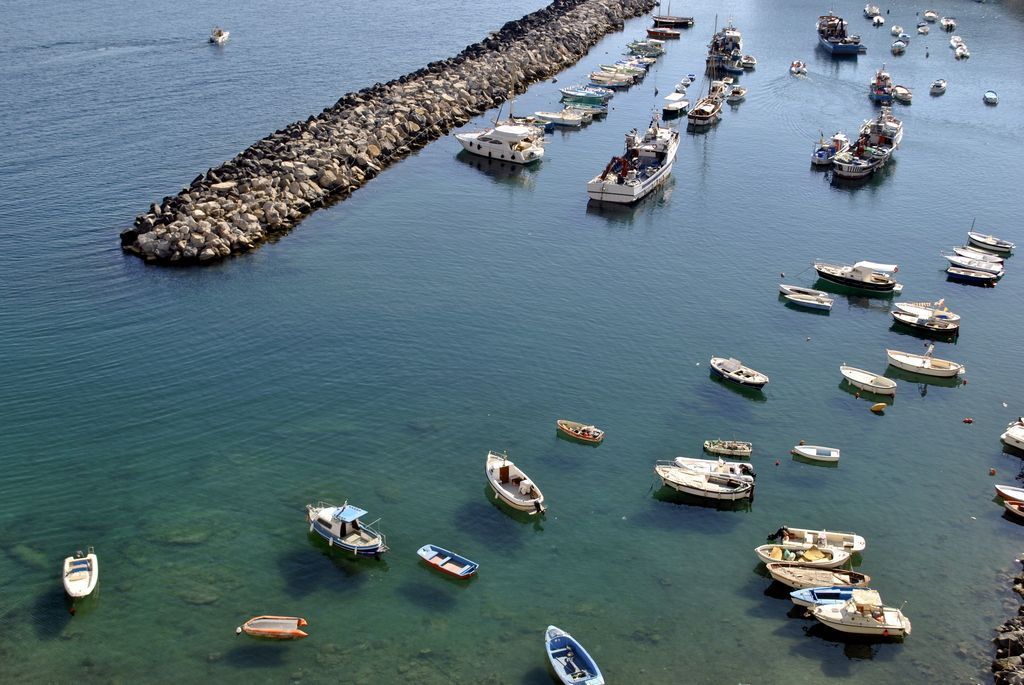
(81, 573)
(566, 117)
(683, 85)
(871, 11)
(799, 576)
(825, 151)
(862, 275)
(512, 486)
(947, 24)
(930, 16)
(675, 105)
(798, 553)
(975, 264)
(971, 253)
(736, 94)
(810, 301)
(865, 380)
(748, 62)
(733, 370)
(1014, 435)
(990, 97)
(955, 42)
(989, 242)
(219, 36)
(706, 111)
(924, 363)
(516, 144)
(863, 618)
(938, 86)
(797, 68)
(817, 453)
(706, 485)
(645, 165)
(902, 94)
(878, 21)
(928, 310)
(741, 471)
(896, 30)
(834, 594)
(961, 52)
(730, 448)
(850, 542)
(1011, 492)
(800, 290)
(923, 30)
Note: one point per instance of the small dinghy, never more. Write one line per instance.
(736, 94)
(797, 68)
(572, 664)
(902, 94)
(980, 255)
(975, 264)
(930, 324)
(566, 117)
(706, 485)
(817, 453)
(928, 309)
(219, 36)
(824, 152)
(1014, 436)
(580, 431)
(938, 86)
(810, 301)
(866, 380)
(1010, 492)
(512, 486)
(81, 573)
(1015, 507)
(973, 276)
(741, 471)
(733, 370)
(274, 627)
(930, 16)
(748, 62)
(924, 363)
(799, 290)
(896, 30)
(803, 576)
(730, 448)
(863, 618)
(835, 594)
(447, 562)
(989, 242)
(820, 557)
(822, 538)
(878, 21)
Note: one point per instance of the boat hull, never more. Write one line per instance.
(924, 365)
(447, 562)
(836, 559)
(571, 663)
(275, 627)
(800, 576)
(80, 575)
(855, 283)
(718, 447)
(865, 380)
(841, 48)
(1014, 437)
(566, 428)
(600, 190)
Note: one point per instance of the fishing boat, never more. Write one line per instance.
(447, 562)
(219, 36)
(605, 79)
(1010, 491)
(820, 557)
(675, 105)
(973, 276)
(342, 527)
(865, 380)
(947, 24)
(880, 88)
(833, 594)
(512, 486)
(810, 301)
(816, 453)
(924, 363)
(512, 143)
(976, 264)
(704, 485)
(705, 112)
(804, 576)
(733, 370)
(748, 62)
(834, 37)
(730, 448)
(871, 11)
(645, 165)
(936, 310)
(938, 86)
(809, 537)
(80, 574)
(663, 32)
(591, 94)
(593, 110)
(580, 431)
(800, 290)
(972, 253)
(859, 163)
(930, 16)
(725, 52)
(826, 150)
(990, 97)
(869, 618)
(274, 627)
(797, 68)
(736, 95)
(571, 663)
(870, 276)
(990, 242)
(741, 471)
(1014, 435)
(566, 117)
(902, 94)
(928, 324)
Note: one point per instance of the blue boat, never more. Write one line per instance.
(447, 562)
(833, 37)
(572, 664)
(880, 89)
(593, 94)
(341, 527)
(836, 594)
(973, 276)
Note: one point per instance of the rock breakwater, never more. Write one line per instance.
(1008, 666)
(268, 188)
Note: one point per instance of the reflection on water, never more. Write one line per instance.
(867, 395)
(855, 296)
(752, 394)
(931, 336)
(667, 494)
(503, 172)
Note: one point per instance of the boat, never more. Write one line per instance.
(880, 88)
(736, 94)
(862, 275)
(675, 105)
(896, 30)
(871, 11)
(804, 576)
(1014, 507)
(865, 380)
(961, 51)
(741, 471)
(902, 94)
(219, 36)
(955, 42)
(938, 86)
(580, 431)
(833, 36)
(797, 68)
(604, 79)
(877, 140)
(809, 537)
(810, 301)
(512, 143)
(725, 52)
(981, 255)
(1010, 491)
(820, 557)
(683, 84)
(593, 110)
(923, 30)
(973, 276)
(704, 485)
(731, 448)
(930, 16)
(826, 150)
(1014, 435)
(796, 289)
(571, 663)
(592, 94)
(341, 527)
(733, 370)
(564, 118)
(748, 62)
(990, 242)
(447, 562)
(668, 19)
(936, 310)
(833, 594)
(947, 24)
(905, 37)
(705, 112)
(512, 486)
(274, 627)
(81, 573)
(869, 618)
(816, 453)
(924, 363)
(976, 264)
(645, 165)
(990, 97)
(878, 21)
(663, 32)
(929, 324)
(652, 47)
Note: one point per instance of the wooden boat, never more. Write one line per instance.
(976, 264)
(822, 538)
(935, 310)
(512, 486)
(1014, 436)
(930, 324)
(799, 290)
(1015, 507)
(819, 557)
(81, 573)
(732, 370)
(570, 661)
(741, 471)
(924, 363)
(706, 485)
(672, 21)
(663, 32)
(868, 618)
(826, 150)
(730, 448)
(803, 576)
(580, 431)
(862, 275)
(1010, 492)
(447, 562)
(980, 255)
(810, 301)
(989, 242)
(817, 453)
(973, 276)
(902, 93)
(342, 527)
(274, 627)
(865, 380)
(566, 118)
(834, 594)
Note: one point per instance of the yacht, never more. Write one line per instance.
(511, 143)
(645, 165)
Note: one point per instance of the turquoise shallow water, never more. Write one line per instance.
(179, 420)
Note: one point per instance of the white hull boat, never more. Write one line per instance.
(800, 576)
(810, 301)
(817, 453)
(930, 16)
(928, 310)
(825, 151)
(741, 471)
(862, 275)
(512, 486)
(817, 557)
(990, 97)
(646, 164)
(707, 486)
(865, 380)
(863, 619)
(800, 290)
(990, 242)
(566, 118)
(938, 87)
(1011, 492)
(924, 364)
(515, 144)
(851, 542)
(81, 573)
(980, 255)
(1014, 435)
(927, 324)
(974, 264)
(734, 370)
(219, 36)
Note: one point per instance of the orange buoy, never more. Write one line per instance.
(991, 472)
(878, 407)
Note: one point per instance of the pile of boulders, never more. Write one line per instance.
(1008, 666)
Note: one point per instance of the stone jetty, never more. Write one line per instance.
(267, 189)
(1008, 666)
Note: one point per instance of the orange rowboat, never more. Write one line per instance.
(274, 627)
(580, 431)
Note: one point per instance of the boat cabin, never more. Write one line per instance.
(343, 523)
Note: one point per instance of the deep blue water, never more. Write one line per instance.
(179, 420)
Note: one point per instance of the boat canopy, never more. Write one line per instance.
(868, 597)
(348, 513)
(675, 97)
(511, 133)
(875, 266)
(731, 365)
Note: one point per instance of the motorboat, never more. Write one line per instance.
(675, 105)
(730, 448)
(342, 527)
(938, 86)
(896, 30)
(955, 42)
(219, 36)
(880, 88)
(990, 242)
(652, 47)
(800, 290)
(274, 627)
(580, 431)
(905, 37)
(834, 37)
(869, 618)
(871, 11)
(810, 301)
(973, 276)
(511, 143)
(512, 486)
(865, 380)
(748, 62)
(820, 557)
(976, 264)
(645, 165)
(878, 21)
(571, 662)
(816, 453)
(566, 118)
(826, 150)
(1014, 435)
(931, 16)
(80, 574)
(592, 94)
(924, 363)
(803, 576)
(809, 537)
(961, 51)
(864, 275)
(1010, 491)
(833, 594)
(447, 562)
(733, 370)
(704, 485)
(936, 310)
(947, 24)
(990, 97)
(902, 94)
(741, 471)
(797, 68)
(736, 94)
(929, 324)
(981, 255)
